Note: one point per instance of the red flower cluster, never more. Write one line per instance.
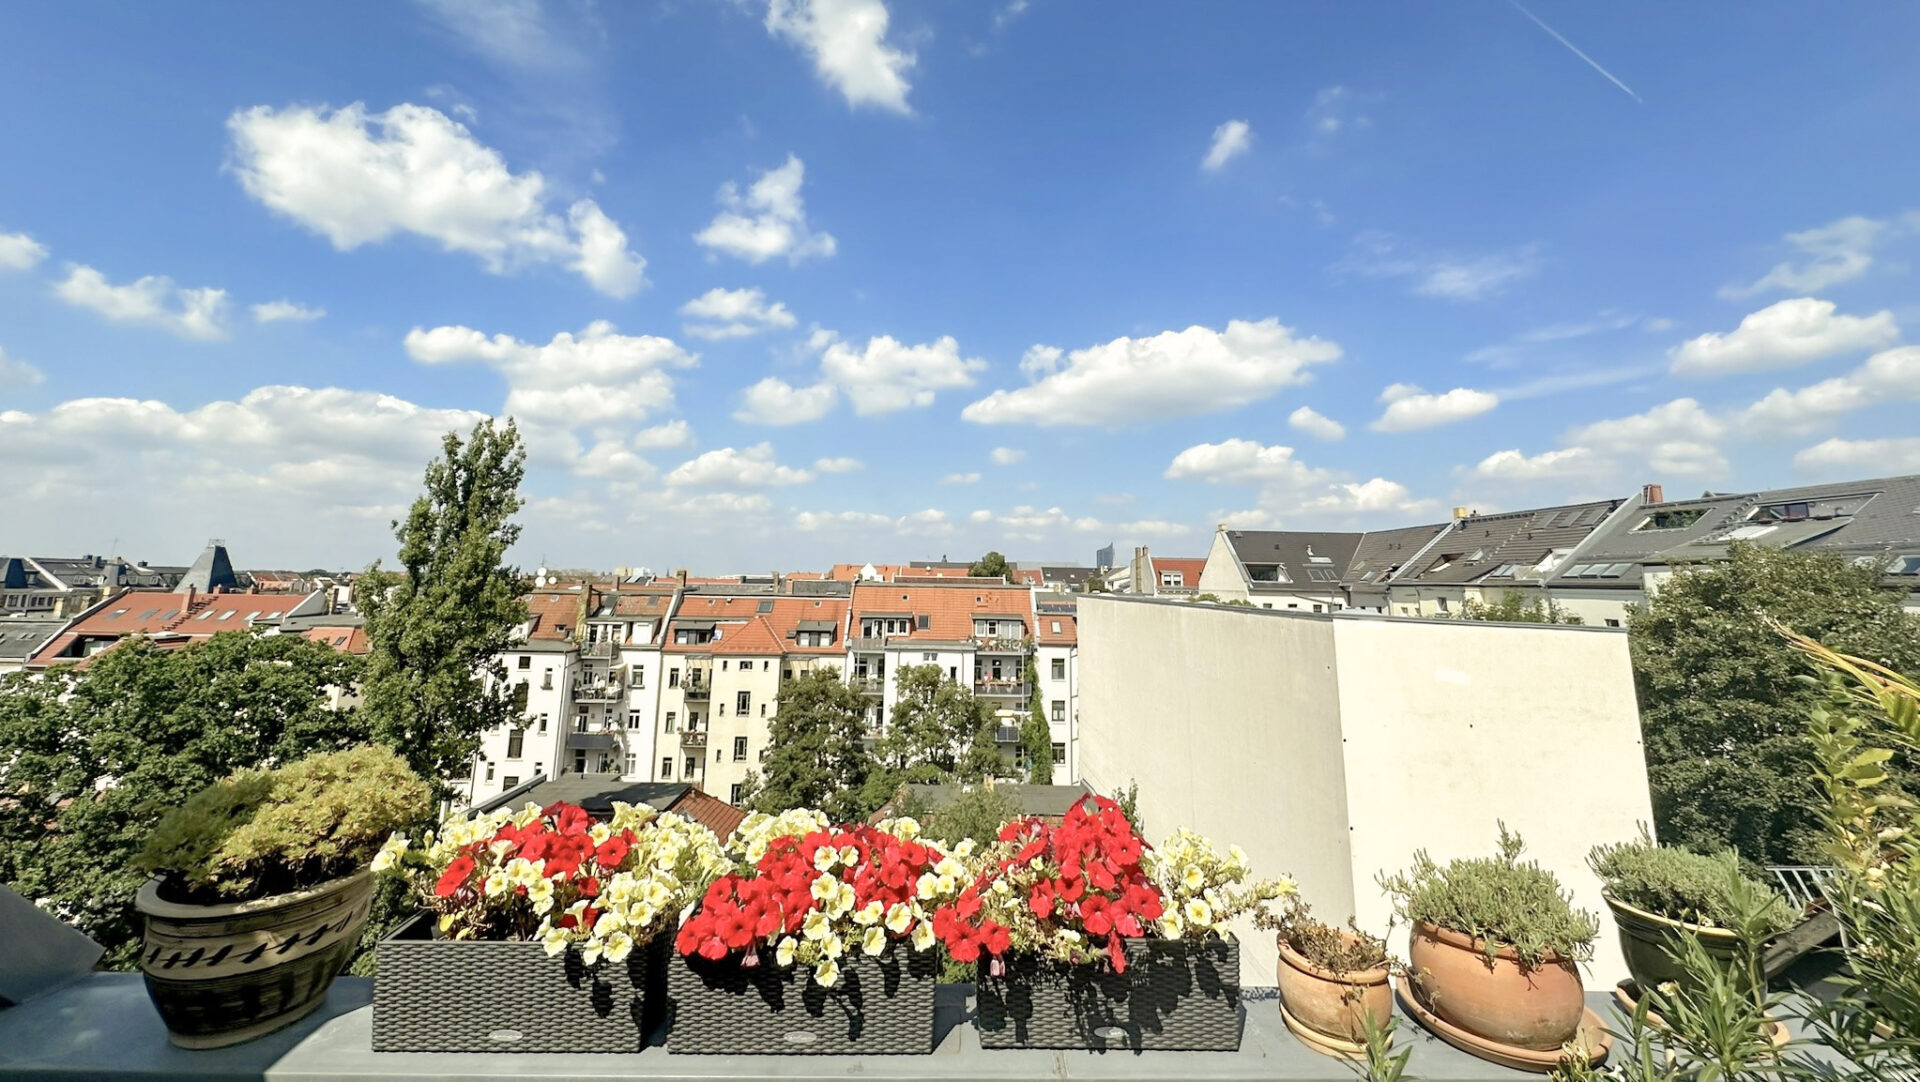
(741, 911)
(1089, 879)
(560, 839)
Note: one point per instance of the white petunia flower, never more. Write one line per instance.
(869, 913)
(825, 889)
(554, 941)
(826, 974)
(816, 927)
(899, 919)
(833, 946)
(497, 883)
(1198, 912)
(825, 858)
(923, 936)
(875, 941)
(619, 945)
(783, 953)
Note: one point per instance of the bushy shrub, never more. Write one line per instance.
(263, 832)
(1681, 885)
(1332, 949)
(1502, 901)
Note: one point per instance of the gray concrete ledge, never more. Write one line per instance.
(103, 1027)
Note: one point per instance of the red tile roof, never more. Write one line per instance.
(554, 614)
(1189, 569)
(150, 613)
(1028, 577)
(711, 812)
(747, 630)
(851, 572)
(347, 640)
(949, 606)
(1068, 635)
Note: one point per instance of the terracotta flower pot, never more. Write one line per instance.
(1646, 939)
(1333, 1004)
(222, 974)
(1537, 1008)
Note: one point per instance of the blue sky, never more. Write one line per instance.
(778, 283)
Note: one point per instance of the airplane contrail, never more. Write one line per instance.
(1575, 49)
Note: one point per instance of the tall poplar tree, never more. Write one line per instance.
(438, 623)
(1036, 735)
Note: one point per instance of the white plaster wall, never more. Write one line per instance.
(1065, 690)
(1595, 607)
(1220, 575)
(1228, 719)
(1451, 727)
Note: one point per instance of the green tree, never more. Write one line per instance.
(978, 812)
(938, 731)
(1722, 702)
(437, 626)
(1516, 608)
(136, 732)
(991, 566)
(817, 757)
(1036, 736)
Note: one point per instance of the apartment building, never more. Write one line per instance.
(1279, 569)
(614, 727)
(543, 665)
(725, 659)
(1057, 660)
(1485, 557)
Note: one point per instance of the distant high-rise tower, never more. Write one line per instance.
(1103, 559)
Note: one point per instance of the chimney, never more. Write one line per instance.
(1651, 492)
(188, 607)
(1141, 573)
(1219, 527)
(682, 576)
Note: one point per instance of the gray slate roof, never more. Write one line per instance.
(1474, 548)
(1296, 551)
(1046, 800)
(211, 570)
(20, 637)
(1381, 552)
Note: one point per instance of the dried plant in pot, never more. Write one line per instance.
(1494, 951)
(261, 889)
(541, 930)
(1333, 981)
(820, 941)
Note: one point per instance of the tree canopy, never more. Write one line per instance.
(1514, 607)
(992, 565)
(1036, 736)
(817, 757)
(1722, 701)
(437, 626)
(938, 731)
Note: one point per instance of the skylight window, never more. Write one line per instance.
(1678, 519)
(1904, 565)
(1323, 574)
(1504, 571)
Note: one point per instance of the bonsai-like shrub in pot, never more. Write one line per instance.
(541, 931)
(1087, 938)
(1495, 946)
(1333, 981)
(1658, 893)
(819, 941)
(261, 889)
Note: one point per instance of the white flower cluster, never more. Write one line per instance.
(1203, 890)
(750, 839)
(671, 862)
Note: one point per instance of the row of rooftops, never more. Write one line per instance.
(1602, 543)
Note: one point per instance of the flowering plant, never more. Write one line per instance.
(1067, 892)
(816, 892)
(554, 875)
(1204, 891)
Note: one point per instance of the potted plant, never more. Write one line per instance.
(1087, 939)
(541, 930)
(261, 888)
(818, 942)
(1493, 955)
(1659, 893)
(1333, 981)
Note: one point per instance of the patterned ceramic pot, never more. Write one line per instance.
(223, 974)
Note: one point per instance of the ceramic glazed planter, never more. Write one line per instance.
(1538, 1009)
(223, 974)
(882, 1005)
(1176, 995)
(1332, 1007)
(1646, 939)
(446, 995)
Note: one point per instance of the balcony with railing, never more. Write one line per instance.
(869, 685)
(597, 651)
(1001, 644)
(696, 688)
(1000, 689)
(600, 691)
(693, 738)
(869, 644)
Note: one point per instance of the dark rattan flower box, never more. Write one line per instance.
(437, 995)
(882, 1005)
(1176, 995)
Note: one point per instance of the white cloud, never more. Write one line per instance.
(1890, 375)
(15, 372)
(1781, 335)
(1511, 465)
(1315, 424)
(276, 311)
(1676, 437)
(847, 40)
(1410, 408)
(1170, 374)
(1900, 454)
(1334, 111)
(838, 465)
(1007, 456)
(888, 375)
(734, 313)
(151, 301)
(613, 460)
(1364, 497)
(19, 251)
(731, 468)
(358, 178)
(769, 221)
(671, 434)
(1230, 140)
(774, 401)
(1833, 253)
(1238, 461)
(510, 31)
(1378, 254)
(961, 479)
(596, 377)
(918, 523)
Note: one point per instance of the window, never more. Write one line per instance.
(743, 703)
(692, 764)
(1323, 574)
(766, 606)
(1504, 571)
(763, 710)
(633, 721)
(1671, 520)
(673, 678)
(526, 661)
(1318, 607)
(1056, 626)
(929, 657)
(739, 749)
(1059, 668)
(1172, 578)
(922, 622)
(1059, 711)
(1059, 752)
(1613, 623)
(1443, 604)
(639, 677)
(766, 666)
(510, 781)
(546, 680)
(516, 742)
(1797, 511)
(672, 717)
(627, 765)
(543, 723)
(733, 793)
(723, 664)
(489, 771)
(666, 767)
